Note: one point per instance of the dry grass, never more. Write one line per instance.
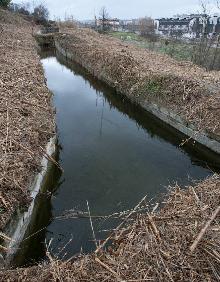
(153, 246)
(68, 23)
(182, 87)
(26, 115)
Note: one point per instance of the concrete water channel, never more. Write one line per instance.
(113, 153)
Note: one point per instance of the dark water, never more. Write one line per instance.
(113, 153)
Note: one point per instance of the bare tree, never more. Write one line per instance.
(147, 28)
(68, 22)
(206, 51)
(41, 14)
(22, 8)
(104, 16)
(216, 57)
(25, 8)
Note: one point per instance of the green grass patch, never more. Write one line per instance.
(153, 86)
(126, 36)
(178, 50)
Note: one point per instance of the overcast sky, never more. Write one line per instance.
(123, 9)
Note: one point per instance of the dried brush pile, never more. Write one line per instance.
(181, 242)
(182, 87)
(26, 115)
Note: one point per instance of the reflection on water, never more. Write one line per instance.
(112, 152)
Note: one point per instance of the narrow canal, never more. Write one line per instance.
(112, 152)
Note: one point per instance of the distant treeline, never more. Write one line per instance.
(39, 13)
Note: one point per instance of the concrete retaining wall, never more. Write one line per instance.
(18, 226)
(211, 142)
(45, 40)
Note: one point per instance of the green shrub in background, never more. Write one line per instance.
(4, 3)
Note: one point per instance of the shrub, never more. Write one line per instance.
(4, 3)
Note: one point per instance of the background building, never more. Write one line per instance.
(189, 25)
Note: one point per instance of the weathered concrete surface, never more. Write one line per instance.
(45, 40)
(19, 224)
(26, 120)
(162, 113)
(179, 124)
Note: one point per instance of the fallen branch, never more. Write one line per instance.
(120, 225)
(90, 219)
(51, 159)
(202, 232)
(3, 236)
(155, 230)
(108, 268)
(3, 248)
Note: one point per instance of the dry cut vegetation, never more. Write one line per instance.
(144, 75)
(181, 242)
(26, 115)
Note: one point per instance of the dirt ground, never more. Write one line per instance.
(26, 114)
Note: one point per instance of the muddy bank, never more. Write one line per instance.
(179, 93)
(27, 117)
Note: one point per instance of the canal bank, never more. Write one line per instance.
(27, 129)
(178, 243)
(182, 218)
(184, 214)
(182, 95)
(20, 223)
(113, 153)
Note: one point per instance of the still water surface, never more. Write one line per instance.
(112, 152)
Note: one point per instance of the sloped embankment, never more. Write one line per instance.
(181, 242)
(157, 246)
(180, 93)
(26, 119)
